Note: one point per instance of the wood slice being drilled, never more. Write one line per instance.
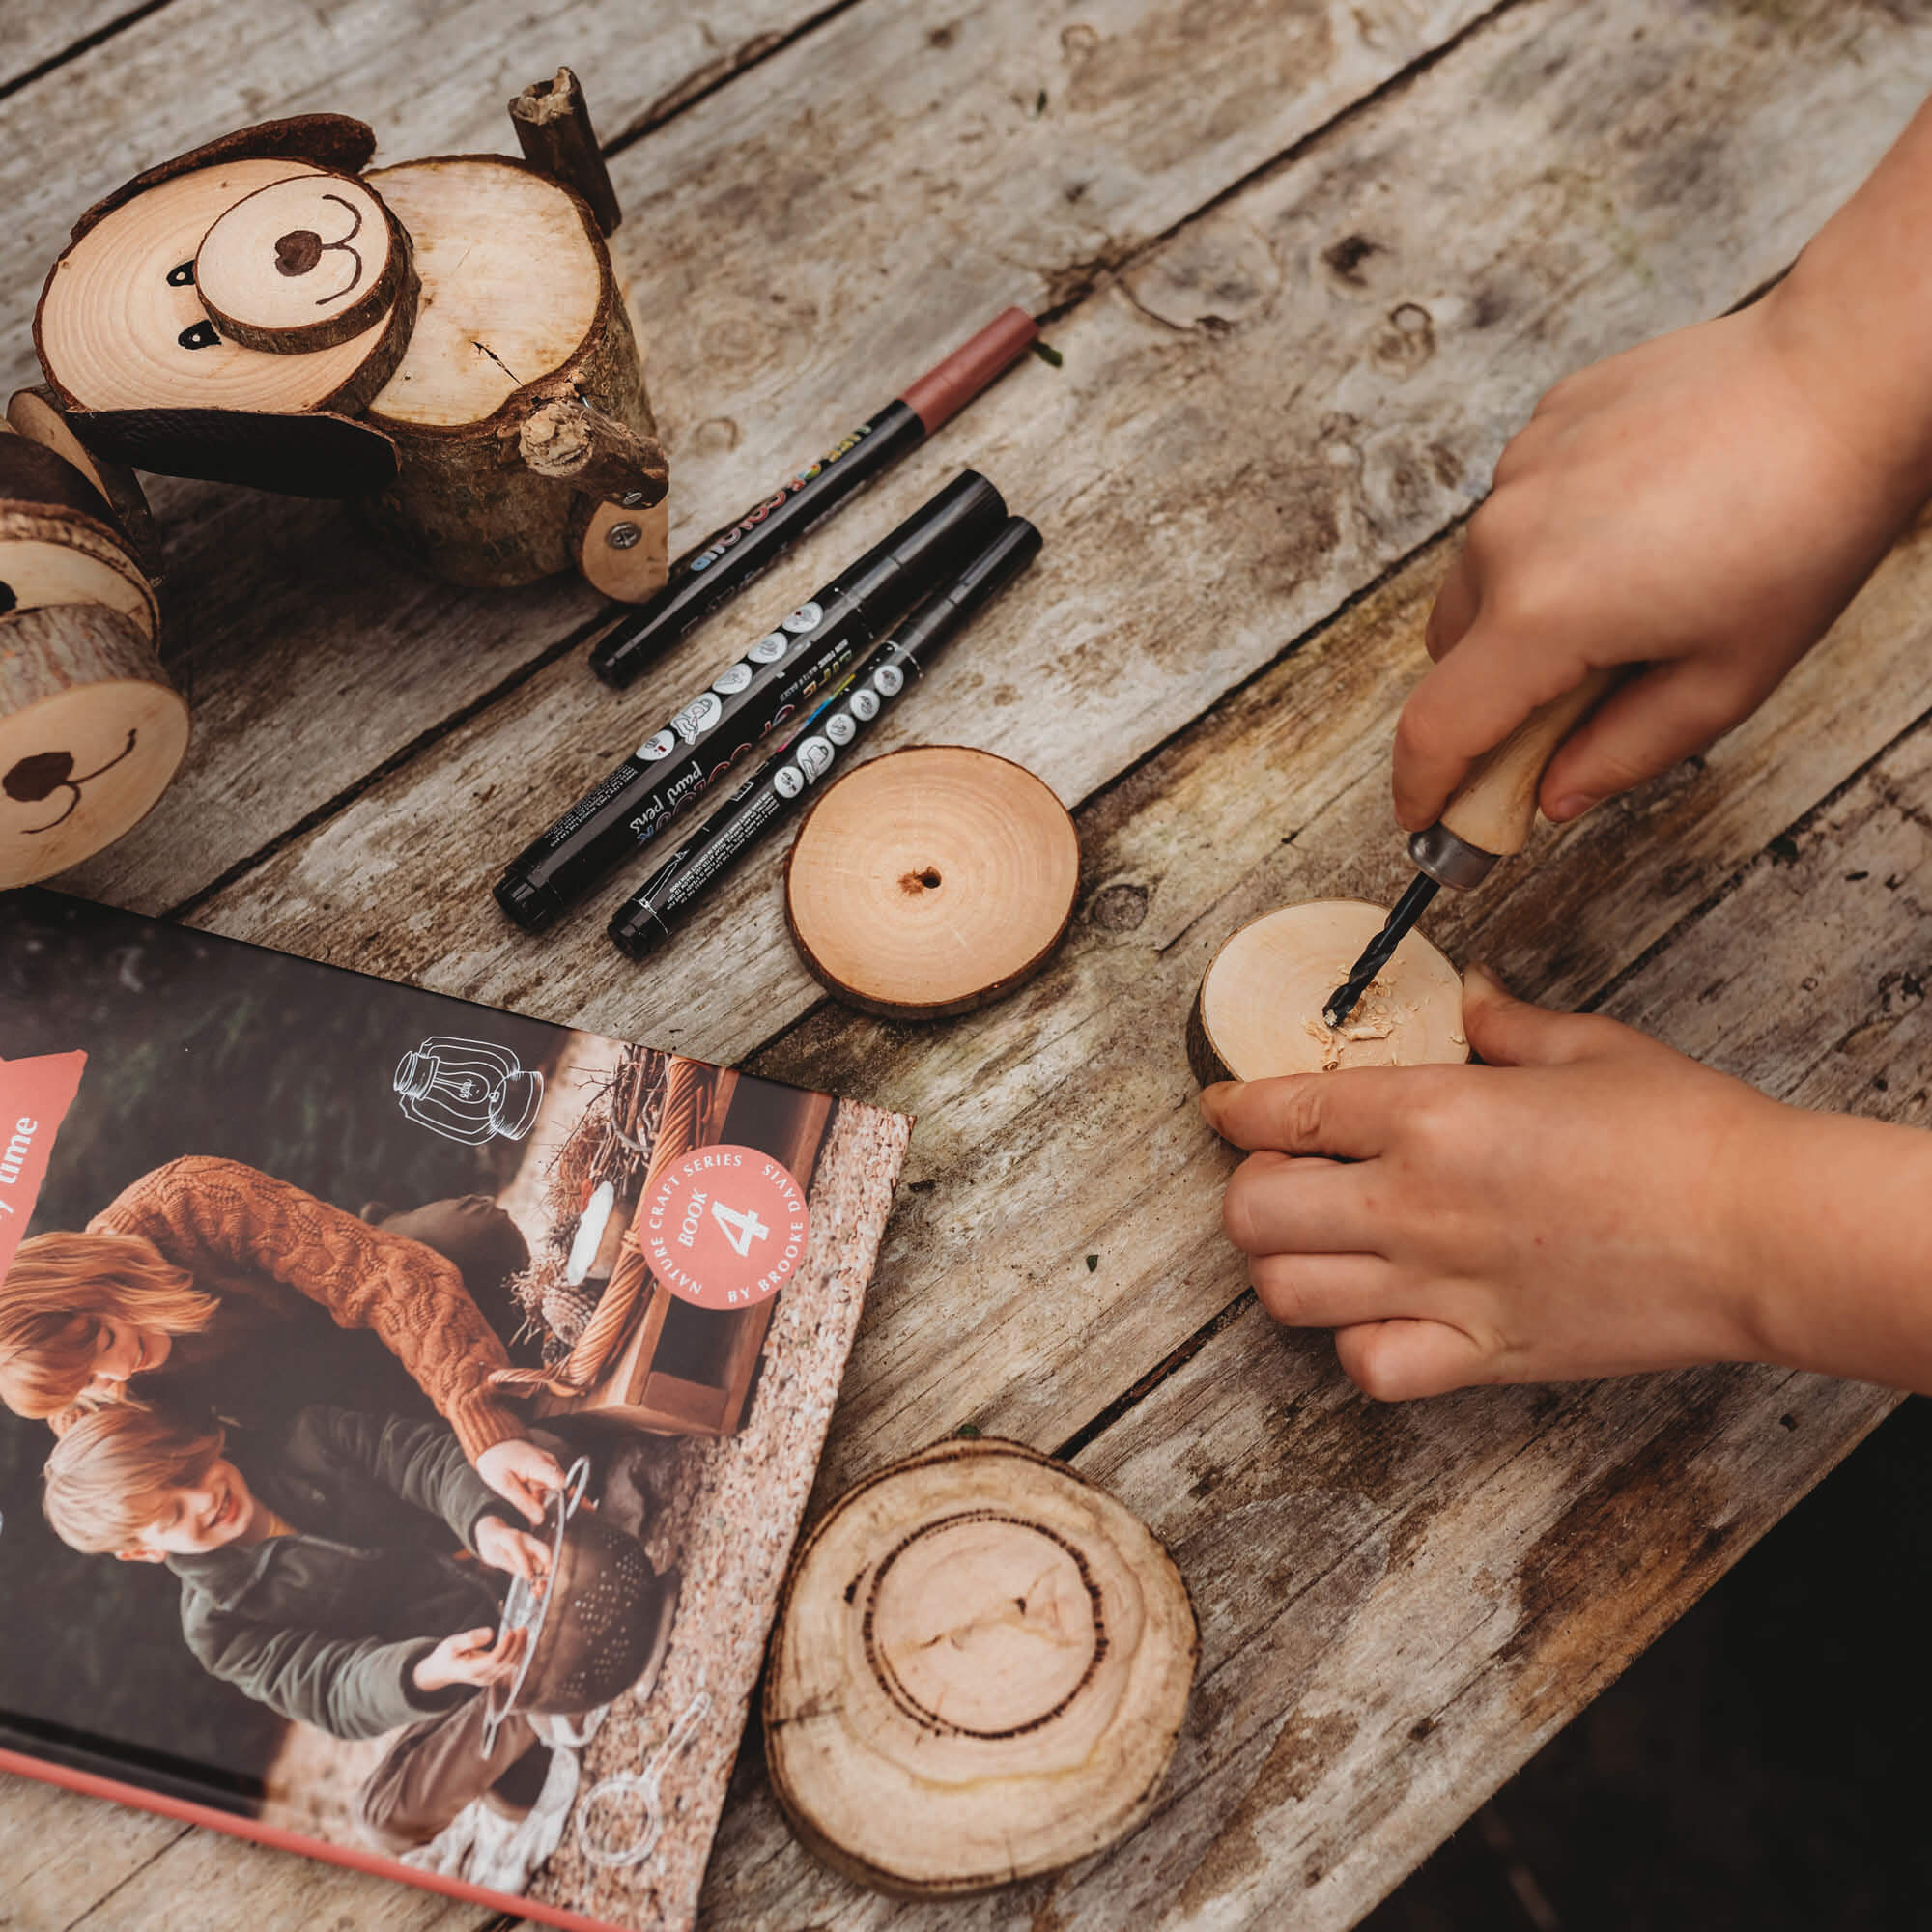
(1259, 1009)
(302, 265)
(522, 391)
(931, 881)
(91, 731)
(980, 1667)
(121, 324)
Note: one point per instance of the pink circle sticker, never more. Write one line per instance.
(724, 1227)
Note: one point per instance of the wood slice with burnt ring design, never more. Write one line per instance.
(980, 1666)
(302, 265)
(931, 881)
(1257, 1011)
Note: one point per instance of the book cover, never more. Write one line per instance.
(409, 1408)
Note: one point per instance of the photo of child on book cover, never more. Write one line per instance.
(408, 1409)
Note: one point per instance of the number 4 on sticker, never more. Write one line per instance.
(740, 1230)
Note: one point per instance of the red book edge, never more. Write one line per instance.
(93, 1785)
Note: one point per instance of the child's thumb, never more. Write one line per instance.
(1507, 1032)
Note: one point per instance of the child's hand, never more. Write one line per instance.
(1704, 505)
(1576, 1207)
(522, 1475)
(505, 1546)
(475, 1656)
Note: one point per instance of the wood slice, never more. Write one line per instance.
(518, 321)
(318, 454)
(1257, 1011)
(931, 881)
(631, 568)
(121, 324)
(91, 731)
(337, 141)
(50, 556)
(31, 474)
(302, 265)
(38, 416)
(980, 1666)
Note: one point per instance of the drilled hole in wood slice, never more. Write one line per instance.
(980, 1666)
(300, 264)
(512, 284)
(90, 734)
(1258, 1010)
(117, 330)
(931, 881)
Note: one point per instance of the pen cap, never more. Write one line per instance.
(931, 540)
(1014, 547)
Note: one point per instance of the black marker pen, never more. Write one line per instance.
(659, 906)
(631, 804)
(729, 559)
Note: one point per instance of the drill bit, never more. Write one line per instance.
(1409, 908)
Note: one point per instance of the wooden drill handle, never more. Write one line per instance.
(1494, 807)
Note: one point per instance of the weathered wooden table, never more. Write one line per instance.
(1309, 263)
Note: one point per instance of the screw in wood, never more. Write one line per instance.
(621, 536)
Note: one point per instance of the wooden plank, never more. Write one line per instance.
(1399, 1604)
(62, 1853)
(799, 244)
(868, 1051)
(38, 37)
(1199, 509)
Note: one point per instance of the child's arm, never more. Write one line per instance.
(348, 1686)
(1704, 505)
(1588, 1202)
(421, 1462)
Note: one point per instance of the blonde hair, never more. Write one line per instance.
(59, 1291)
(112, 1473)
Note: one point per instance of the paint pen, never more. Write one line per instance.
(729, 559)
(630, 806)
(656, 910)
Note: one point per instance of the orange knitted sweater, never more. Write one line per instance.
(261, 1246)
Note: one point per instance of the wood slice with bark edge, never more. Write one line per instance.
(931, 881)
(519, 322)
(552, 124)
(1258, 1011)
(36, 415)
(337, 141)
(91, 731)
(49, 557)
(34, 476)
(304, 265)
(317, 454)
(120, 325)
(979, 1668)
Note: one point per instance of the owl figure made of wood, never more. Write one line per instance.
(443, 342)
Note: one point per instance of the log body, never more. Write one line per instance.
(91, 731)
(1257, 1011)
(521, 398)
(980, 1667)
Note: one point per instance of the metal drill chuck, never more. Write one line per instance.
(1448, 860)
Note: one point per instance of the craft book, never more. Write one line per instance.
(409, 1408)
